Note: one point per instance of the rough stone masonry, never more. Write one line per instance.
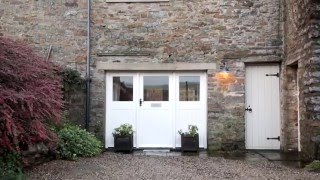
(301, 74)
(194, 31)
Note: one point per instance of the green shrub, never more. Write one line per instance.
(314, 166)
(10, 167)
(76, 142)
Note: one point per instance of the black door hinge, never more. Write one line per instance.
(275, 138)
(277, 74)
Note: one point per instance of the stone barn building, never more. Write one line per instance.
(246, 72)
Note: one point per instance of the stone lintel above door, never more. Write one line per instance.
(156, 66)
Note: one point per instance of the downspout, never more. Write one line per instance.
(87, 122)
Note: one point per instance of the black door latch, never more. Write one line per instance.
(248, 109)
(275, 138)
(140, 102)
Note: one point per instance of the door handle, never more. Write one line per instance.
(140, 102)
(248, 109)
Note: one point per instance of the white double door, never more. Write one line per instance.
(157, 105)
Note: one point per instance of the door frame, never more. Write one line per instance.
(172, 74)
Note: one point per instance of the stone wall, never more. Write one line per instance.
(302, 49)
(289, 106)
(42, 23)
(233, 31)
(310, 80)
(75, 104)
(37, 154)
(61, 24)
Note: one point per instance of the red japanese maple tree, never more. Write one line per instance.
(30, 95)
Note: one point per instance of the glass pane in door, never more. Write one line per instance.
(156, 88)
(189, 88)
(122, 88)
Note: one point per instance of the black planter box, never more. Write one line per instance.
(189, 144)
(124, 144)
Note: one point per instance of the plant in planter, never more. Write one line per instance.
(190, 139)
(123, 138)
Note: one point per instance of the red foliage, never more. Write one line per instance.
(30, 95)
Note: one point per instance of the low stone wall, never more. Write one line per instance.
(37, 154)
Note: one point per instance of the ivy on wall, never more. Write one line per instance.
(73, 87)
(72, 80)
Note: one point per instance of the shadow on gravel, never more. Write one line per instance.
(290, 159)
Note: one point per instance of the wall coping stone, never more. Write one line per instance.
(253, 61)
(155, 66)
(136, 1)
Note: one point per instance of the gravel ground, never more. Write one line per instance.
(126, 166)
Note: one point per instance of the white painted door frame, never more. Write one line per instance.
(298, 109)
(128, 112)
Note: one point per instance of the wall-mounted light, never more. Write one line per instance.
(224, 77)
(224, 68)
(224, 71)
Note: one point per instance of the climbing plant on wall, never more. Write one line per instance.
(72, 80)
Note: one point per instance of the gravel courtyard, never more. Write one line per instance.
(126, 166)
